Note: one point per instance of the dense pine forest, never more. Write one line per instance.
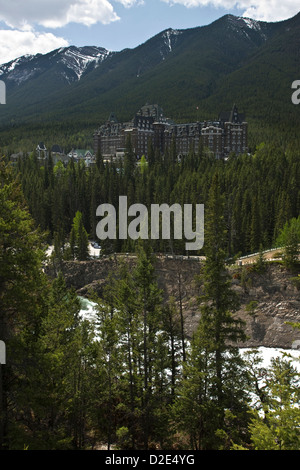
(261, 193)
(132, 379)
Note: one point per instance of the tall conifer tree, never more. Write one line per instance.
(213, 369)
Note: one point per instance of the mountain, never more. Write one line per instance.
(68, 64)
(234, 59)
(31, 79)
(40, 81)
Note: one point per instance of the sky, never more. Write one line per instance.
(40, 26)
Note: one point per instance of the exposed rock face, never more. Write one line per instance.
(268, 300)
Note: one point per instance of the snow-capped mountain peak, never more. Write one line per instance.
(79, 59)
(69, 63)
(252, 24)
(169, 37)
(247, 27)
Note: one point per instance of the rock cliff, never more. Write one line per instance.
(269, 301)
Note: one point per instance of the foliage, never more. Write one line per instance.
(253, 67)
(213, 374)
(79, 238)
(131, 376)
(260, 192)
(296, 281)
(275, 421)
(289, 238)
(134, 341)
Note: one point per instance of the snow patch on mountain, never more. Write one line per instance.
(245, 26)
(78, 61)
(10, 66)
(75, 60)
(170, 37)
(169, 41)
(252, 24)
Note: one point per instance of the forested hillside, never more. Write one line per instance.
(261, 193)
(232, 60)
(131, 380)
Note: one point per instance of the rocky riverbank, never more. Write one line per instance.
(269, 301)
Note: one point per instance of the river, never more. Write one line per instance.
(88, 313)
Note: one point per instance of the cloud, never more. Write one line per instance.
(130, 3)
(24, 15)
(270, 10)
(14, 44)
(265, 10)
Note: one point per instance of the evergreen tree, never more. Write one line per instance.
(213, 372)
(129, 159)
(149, 304)
(275, 421)
(121, 298)
(53, 417)
(99, 162)
(151, 153)
(22, 290)
(82, 239)
(289, 239)
(172, 326)
(255, 235)
(109, 367)
(79, 238)
(72, 243)
(141, 362)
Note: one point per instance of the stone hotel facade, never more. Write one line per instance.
(226, 135)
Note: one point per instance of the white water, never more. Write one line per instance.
(87, 311)
(267, 354)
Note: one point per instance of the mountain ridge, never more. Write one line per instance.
(89, 55)
(204, 67)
